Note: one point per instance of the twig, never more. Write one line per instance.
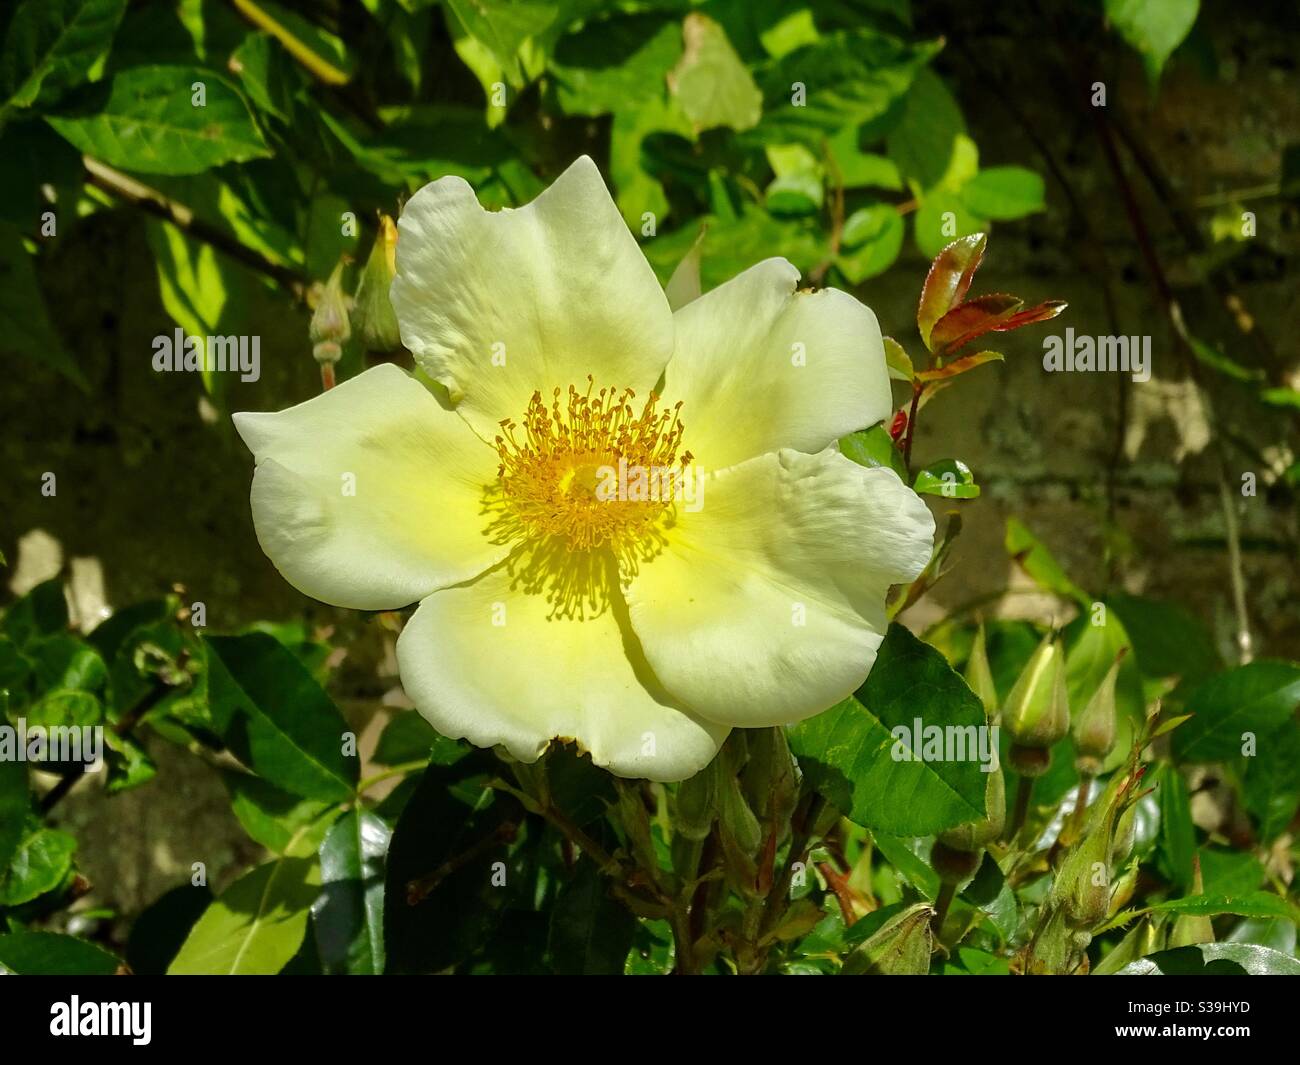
(127, 189)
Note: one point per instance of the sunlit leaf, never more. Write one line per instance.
(146, 120)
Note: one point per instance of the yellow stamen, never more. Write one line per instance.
(591, 472)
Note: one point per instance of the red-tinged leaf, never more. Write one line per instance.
(948, 281)
(1031, 315)
(959, 366)
(972, 319)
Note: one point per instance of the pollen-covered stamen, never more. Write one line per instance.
(592, 471)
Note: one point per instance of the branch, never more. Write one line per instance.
(130, 191)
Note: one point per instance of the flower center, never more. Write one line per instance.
(590, 470)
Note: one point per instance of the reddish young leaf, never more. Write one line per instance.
(959, 366)
(948, 281)
(972, 319)
(1041, 313)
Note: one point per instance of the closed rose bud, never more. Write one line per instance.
(900, 947)
(330, 328)
(980, 677)
(374, 319)
(1082, 888)
(1094, 728)
(1125, 835)
(1124, 888)
(696, 806)
(1037, 712)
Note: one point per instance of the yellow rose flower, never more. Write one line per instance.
(633, 528)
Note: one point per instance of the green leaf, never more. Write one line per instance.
(1038, 562)
(902, 855)
(1167, 640)
(926, 137)
(795, 194)
(942, 218)
(280, 822)
(146, 122)
(1003, 193)
(447, 838)
(36, 162)
(28, 330)
(859, 168)
(990, 894)
(1277, 935)
(267, 74)
(848, 751)
(847, 78)
(1177, 832)
(41, 612)
(609, 62)
(1258, 698)
(14, 803)
(1154, 28)
(637, 190)
(1090, 651)
(51, 954)
(277, 718)
(590, 933)
(874, 447)
(1252, 904)
(712, 85)
(348, 918)
(1229, 872)
(52, 45)
(40, 864)
(898, 361)
(255, 926)
(502, 26)
(159, 932)
(733, 245)
(1214, 959)
(409, 738)
(64, 661)
(949, 478)
(872, 239)
(1271, 783)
